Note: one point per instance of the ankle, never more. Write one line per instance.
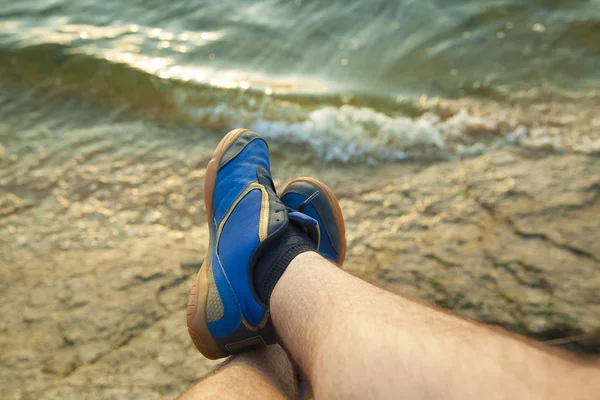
(292, 277)
(272, 265)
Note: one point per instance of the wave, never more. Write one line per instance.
(350, 134)
(337, 127)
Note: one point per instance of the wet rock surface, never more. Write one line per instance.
(98, 256)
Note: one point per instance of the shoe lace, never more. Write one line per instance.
(308, 200)
(302, 205)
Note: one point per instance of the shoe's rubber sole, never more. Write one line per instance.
(196, 308)
(335, 206)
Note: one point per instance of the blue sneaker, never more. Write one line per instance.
(225, 315)
(313, 198)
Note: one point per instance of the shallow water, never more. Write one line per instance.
(353, 81)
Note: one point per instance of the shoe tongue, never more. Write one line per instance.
(264, 178)
(310, 225)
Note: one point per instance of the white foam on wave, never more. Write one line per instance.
(351, 134)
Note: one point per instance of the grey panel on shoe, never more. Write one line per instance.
(237, 147)
(243, 339)
(322, 207)
(277, 210)
(246, 344)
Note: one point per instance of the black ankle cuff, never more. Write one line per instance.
(273, 264)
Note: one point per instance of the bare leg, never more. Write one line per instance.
(261, 374)
(354, 340)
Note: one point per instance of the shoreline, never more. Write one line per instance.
(505, 238)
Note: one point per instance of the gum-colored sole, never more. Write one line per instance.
(335, 206)
(196, 309)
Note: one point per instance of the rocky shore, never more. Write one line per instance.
(98, 255)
